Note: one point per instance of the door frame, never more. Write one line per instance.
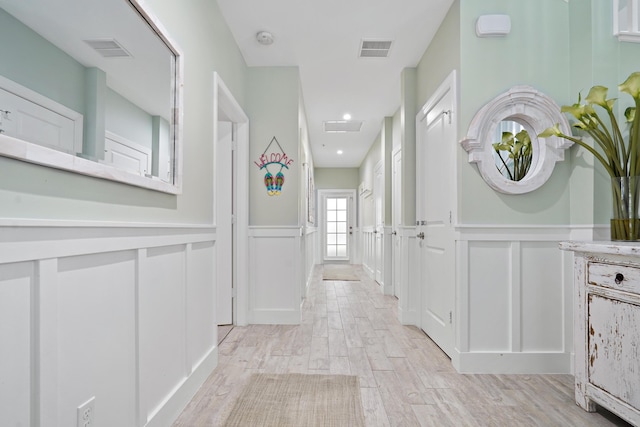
(379, 191)
(351, 194)
(225, 103)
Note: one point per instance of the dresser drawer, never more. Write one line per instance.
(620, 277)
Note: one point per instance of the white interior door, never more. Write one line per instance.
(337, 225)
(378, 200)
(224, 223)
(436, 142)
(396, 214)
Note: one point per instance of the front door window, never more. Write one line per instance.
(337, 227)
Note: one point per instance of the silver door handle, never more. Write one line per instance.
(420, 235)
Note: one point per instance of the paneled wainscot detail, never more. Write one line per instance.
(122, 314)
(276, 277)
(513, 300)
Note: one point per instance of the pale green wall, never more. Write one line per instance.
(578, 51)
(365, 175)
(127, 120)
(337, 178)
(374, 155)
(273, 108)
(597, 58)
(486, 67)
(490, 66)
(28, 59)
(442, 56)
(408, 102)
(387, 147)
(198, 28)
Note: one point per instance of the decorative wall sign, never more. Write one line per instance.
(274, 159)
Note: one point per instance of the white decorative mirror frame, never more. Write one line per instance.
(535, 111)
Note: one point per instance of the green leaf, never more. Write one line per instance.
(597, 95)
(632, 85)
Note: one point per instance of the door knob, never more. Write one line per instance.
(420, 235)
(394, 233)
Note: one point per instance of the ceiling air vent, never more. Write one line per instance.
(375, 48)
(109, 48)
(341, 126)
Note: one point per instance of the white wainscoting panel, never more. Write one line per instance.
(311, 237)
(408, 289)
(162, 324)
(387, 268)
(96, 335)
(202, 332)
(541, 297)
(369, 251)
(16, 290)
(275, 278)
(120, 313)
(513, 300)
(489, 296)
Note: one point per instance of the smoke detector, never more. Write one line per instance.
(264, 37)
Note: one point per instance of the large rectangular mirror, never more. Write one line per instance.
(93, 87)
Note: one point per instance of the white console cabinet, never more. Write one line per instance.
(607, 326)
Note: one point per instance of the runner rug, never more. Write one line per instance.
(339, 272)
(298, 400)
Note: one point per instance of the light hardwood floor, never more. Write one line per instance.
(406, 380)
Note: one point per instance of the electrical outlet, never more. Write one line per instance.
(86, 413)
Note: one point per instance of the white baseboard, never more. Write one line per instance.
(513, 363)
(175, 404)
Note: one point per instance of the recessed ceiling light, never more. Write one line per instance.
(339, 151)
(347, 116)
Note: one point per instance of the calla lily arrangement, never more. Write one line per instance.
(620, 158)
(518, 148)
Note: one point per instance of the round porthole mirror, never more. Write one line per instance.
(503, 142)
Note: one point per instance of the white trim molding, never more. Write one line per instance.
(626, 20)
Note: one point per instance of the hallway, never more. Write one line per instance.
(350, 328)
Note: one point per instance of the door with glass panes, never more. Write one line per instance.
(337, 226)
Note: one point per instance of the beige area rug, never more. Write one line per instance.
(339, 272)
(300, 400)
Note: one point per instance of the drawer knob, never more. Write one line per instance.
(619, 278)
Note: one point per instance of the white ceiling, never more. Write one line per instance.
(323, 39)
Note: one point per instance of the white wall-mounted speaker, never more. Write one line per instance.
(493, 25)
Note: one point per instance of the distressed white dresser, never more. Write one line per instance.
(607, 326)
